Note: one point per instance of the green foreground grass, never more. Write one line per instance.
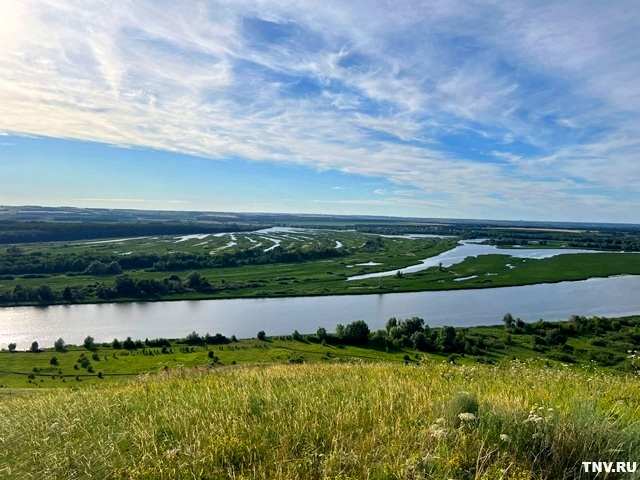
(318, 421)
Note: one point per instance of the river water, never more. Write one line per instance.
(614, 296)
(473, 248)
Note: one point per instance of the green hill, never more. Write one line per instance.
(319, 421)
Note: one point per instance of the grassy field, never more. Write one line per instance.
(610, 350)
(519, 407)
(339, 421)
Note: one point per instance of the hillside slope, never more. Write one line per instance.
(350, 420)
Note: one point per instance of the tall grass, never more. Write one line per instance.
(335, 421)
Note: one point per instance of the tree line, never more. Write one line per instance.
(13, 261)
(12, 231)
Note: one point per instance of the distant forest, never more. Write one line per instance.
(25, 232)
(620, 238)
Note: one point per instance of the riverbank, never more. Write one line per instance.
(583, 343)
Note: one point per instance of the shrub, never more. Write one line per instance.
(605, 359)
(561, 357)
(261, 335)
(462, 402)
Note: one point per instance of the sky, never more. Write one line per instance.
(525, 110)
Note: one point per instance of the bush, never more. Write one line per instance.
(561, 357)
(462, 402)
(54, 361)
(261, 335)
(605, 359)
(623, 347)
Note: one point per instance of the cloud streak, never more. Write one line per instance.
(485, 109)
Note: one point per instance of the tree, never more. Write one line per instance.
(321, 333)
(35, 347)
(113, 268)
(446, 339)
(261, 335)
(420, 341)
(197, 282)
(409, 326)
(54, 361)
(357, 332)
(392, 322)
(116, 345)
(67, 294)
(194, 339)
(59, 345)
(129, 344)
(12, 347)
(509, 321)
(89, 343)
(45, 294)
(126, 286)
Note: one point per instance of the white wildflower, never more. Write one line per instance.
(467, 417)
(504, 437)
(437, 432)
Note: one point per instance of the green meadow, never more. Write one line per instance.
(517, 401)
(304, 262)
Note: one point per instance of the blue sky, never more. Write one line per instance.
(470, 109)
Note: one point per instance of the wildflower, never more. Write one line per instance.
(533, 418)
(440, 421)
(504, 437)
(467, 417)
(437, 432)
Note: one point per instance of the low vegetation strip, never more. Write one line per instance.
(318, 421)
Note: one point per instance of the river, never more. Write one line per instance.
(614, 296)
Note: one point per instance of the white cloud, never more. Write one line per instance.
(386, 88)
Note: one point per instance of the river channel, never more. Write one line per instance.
(613, 296)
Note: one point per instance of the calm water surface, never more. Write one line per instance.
(245, 317)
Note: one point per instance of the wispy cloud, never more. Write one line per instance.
(479, 106)
(129, 200)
